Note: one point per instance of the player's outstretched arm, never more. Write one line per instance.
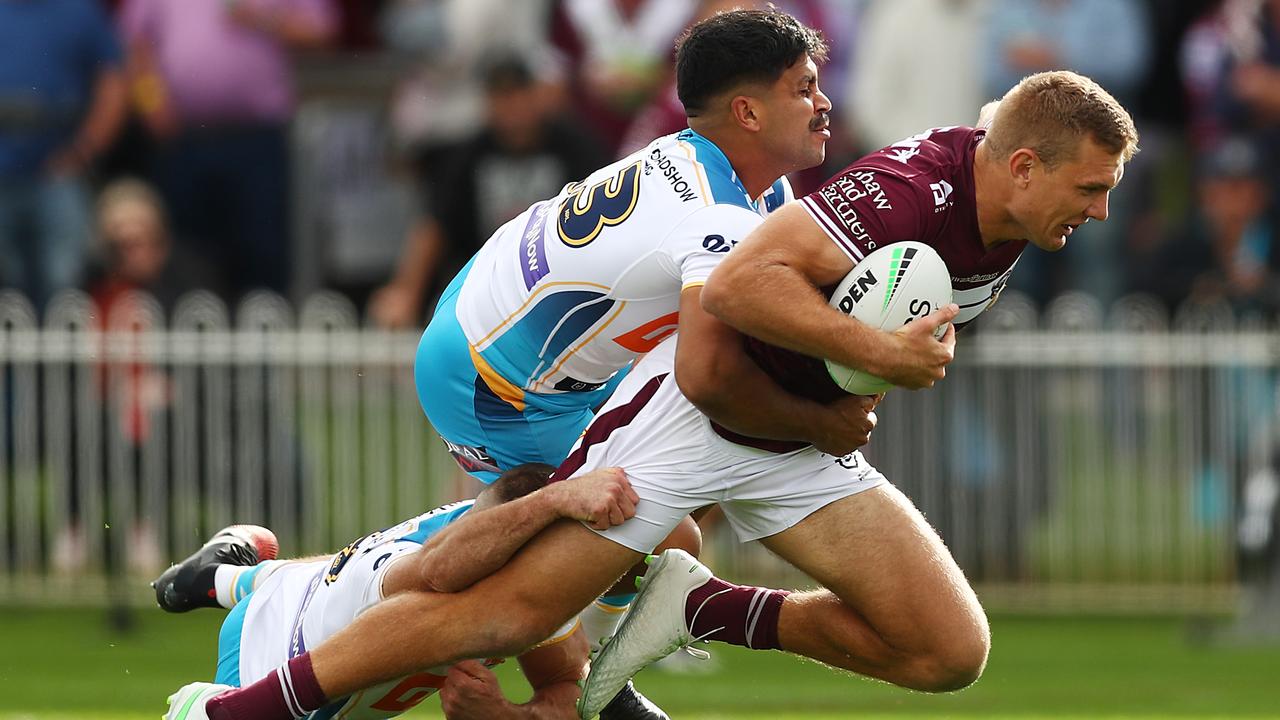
(481, 542)
(716, 375)
(768, 287)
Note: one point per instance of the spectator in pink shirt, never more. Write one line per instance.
(213, 83)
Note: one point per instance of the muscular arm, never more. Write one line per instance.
(553, 672)
(716, 375)
(768, 287)
(475, 547)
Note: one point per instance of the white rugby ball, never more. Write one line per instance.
(889, 288)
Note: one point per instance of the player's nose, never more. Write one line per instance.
(1099, 209)
(822, 103)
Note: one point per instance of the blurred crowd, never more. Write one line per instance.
(167, 146)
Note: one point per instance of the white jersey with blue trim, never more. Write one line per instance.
(304, 603)
(571, 291)
(417, 529)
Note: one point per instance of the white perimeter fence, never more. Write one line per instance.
(1084, 458)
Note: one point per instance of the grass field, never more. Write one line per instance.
(67, 665)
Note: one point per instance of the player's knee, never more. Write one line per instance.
(686, 536)
(955, 664)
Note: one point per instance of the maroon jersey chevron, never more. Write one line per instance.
(922, 189)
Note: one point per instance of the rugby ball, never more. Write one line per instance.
(889, 288)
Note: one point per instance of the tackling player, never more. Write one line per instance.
(896, 605)
(535, 332)
(897, 608)
(297, 604)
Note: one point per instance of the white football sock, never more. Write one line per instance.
(601, 620)
(233, 583)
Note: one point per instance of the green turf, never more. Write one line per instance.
(67, 665)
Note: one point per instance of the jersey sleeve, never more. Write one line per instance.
(865, 208)
(700, 241)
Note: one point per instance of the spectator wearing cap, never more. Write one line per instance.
(526, 151)
(1246, 92)
(1230, 247)
(62, 102)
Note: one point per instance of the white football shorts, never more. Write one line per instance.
(677, 463)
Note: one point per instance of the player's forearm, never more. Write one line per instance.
(477, 546)
(734, 392)
(779, 305)
(557, 701)
(553, 702)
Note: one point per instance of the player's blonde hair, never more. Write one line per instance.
(1050, 112)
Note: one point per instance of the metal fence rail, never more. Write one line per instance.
(1074, 458)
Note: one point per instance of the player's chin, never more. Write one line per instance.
(1053, 243)
(817, 155)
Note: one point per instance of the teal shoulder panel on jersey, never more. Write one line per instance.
(725, 186)
(775, 196)
(436, 522)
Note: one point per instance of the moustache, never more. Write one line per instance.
(820, 122)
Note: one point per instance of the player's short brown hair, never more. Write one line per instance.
(519, 481)
(1050, 112)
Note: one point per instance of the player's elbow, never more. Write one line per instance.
(700, 381)
(437, 574)
(717, 294)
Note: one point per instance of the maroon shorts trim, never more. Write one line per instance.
(603, 426)
(774, 446)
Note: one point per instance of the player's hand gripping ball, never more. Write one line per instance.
(890, 287)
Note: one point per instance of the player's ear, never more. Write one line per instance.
(745, 112)
(1021, 163)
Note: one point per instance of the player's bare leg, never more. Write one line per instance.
(898, 607)
(600, 620)
(557, 574)
(687, 536)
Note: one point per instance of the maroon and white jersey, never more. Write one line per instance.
(921, 189)
(918, 189)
